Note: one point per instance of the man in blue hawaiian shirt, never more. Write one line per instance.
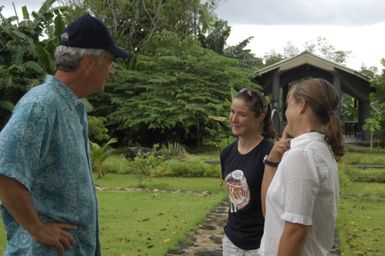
(49, 204)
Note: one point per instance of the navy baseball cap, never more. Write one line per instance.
(90, 32)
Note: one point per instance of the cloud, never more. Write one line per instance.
(302, 12)
(365, 42)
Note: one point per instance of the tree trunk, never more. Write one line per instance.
(371, 141)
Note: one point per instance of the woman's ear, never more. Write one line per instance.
(261, 118)
(303, 106)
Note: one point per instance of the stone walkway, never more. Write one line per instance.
(207, 241)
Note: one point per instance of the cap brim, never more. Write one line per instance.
(119, 52)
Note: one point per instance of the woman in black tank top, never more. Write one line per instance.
(242, 170)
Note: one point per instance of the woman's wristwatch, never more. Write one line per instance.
(270, 163)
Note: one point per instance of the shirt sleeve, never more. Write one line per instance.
(21, 142)
(301, 184)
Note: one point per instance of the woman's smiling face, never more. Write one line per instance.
(243, 120)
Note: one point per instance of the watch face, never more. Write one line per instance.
(269, 163)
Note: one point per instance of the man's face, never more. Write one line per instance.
(101, 71)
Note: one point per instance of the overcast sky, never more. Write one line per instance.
(301, 12)
(350, 25)
(32, 5)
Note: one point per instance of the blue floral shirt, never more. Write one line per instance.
(45, 147)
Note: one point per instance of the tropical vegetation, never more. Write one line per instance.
(182, 71)
(362, 196)
(173, 96)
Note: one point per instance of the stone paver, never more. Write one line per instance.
(207, 241)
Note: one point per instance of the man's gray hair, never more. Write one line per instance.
(68, 58)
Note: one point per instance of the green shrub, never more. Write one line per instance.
(344, 179)
(142, 166)
(362, 149)
(117, 164)
(226, 141)
(365, 175)
(97, 129)
(189, 168)
(170, 150)
(363, 158)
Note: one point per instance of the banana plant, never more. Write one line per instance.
(27, 51)
(99, 154)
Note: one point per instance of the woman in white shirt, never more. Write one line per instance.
(300, 196)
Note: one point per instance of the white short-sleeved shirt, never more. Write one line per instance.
(304, 190)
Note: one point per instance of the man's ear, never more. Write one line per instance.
(87, 62)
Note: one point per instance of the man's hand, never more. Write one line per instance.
(55, 235)
(16, 199)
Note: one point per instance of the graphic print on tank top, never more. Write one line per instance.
(239, 193)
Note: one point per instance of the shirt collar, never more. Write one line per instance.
(306, 137)
(69, 96)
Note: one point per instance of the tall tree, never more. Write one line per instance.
(244, 56)
(273, 57)
(290, 50)
(175, 86)
(327, 51)
(378, 101)
(321, 47)
(134, 22)
(216, 36)
(349, 108)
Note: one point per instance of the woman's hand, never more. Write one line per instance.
(275, 155)
(280, 147)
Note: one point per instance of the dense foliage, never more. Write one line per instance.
(378, 104)
(181, 74)
(175, 86)
(26, 52)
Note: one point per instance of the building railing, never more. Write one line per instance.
(351, 128)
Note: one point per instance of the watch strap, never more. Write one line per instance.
(270, 163)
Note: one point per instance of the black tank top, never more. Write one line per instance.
(243, 177)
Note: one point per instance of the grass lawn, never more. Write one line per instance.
(213, 185)
(360, 221)
(150, 222)
(3, 237)
(144, 223)
(147, 222)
